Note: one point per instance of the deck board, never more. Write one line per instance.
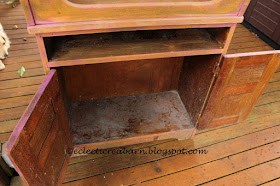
(242, 153)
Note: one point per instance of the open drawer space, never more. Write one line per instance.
(133, 45)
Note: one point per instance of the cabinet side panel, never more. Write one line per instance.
(27, 12)
(195, 81)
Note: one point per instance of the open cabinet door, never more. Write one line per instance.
(241, 81)
(38, 145)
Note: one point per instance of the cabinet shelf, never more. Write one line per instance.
(128, 116)
(131, 45)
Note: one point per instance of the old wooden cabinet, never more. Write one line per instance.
(120, 74)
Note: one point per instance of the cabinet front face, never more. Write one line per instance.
(67, 11)
(240, 83)
(124, 103)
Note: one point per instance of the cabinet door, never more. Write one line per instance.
(239, 84)
(38, 145)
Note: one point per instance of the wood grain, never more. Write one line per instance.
(240, 70)
(132, 45)
(195, 82)
(223, 139)
(69, 12)
(121, 79)
(31, 134)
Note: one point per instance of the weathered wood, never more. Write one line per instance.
(115, 119)
(20, 91)
(15, 101)
(241, 84)
(11, 113)
(69, 12)
(273, 86)
(251, 49)
(26, 145)
(251, 175)
(19, 82)
(197, 76)
(227, 165)
(239, 70)
(97, 81)
(28, 12)
(28, 73)
(43, 53)
(225, 140)
(8, 126)
(133, 45)
(267, 74)
(135, 27)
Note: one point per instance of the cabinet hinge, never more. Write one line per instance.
(217, 71)
(197, 120)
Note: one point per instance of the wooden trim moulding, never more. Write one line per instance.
(93, 31)
(133, 23)
(27, 12)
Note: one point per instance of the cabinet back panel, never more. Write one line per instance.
(122, 78)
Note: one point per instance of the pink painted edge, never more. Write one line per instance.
(111, 24)
(19, 127)
(252, 54)
(28, 111)
(78, 32)
(28, 14)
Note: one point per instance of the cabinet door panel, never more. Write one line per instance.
(247, 74)
(237, 103)
(38, 145)
(240, 83)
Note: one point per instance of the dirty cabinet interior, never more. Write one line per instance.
(117, 78)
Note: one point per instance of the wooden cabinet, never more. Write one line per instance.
(112, 83)
(265, 16)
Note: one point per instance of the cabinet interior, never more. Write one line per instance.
(134, 45)
(134, 98)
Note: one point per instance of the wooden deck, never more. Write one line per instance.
(243, 153)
